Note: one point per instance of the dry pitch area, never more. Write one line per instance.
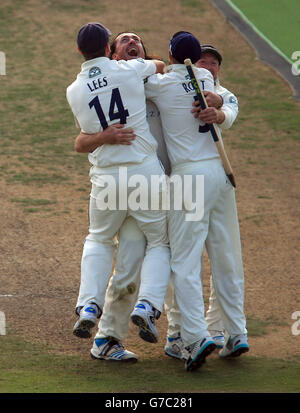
(41, 242)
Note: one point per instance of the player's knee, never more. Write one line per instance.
(93, 241)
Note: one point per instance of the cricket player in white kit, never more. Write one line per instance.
(192, 152)
(222, 112)
(105, 91)
(211, 60)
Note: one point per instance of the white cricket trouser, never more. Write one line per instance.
(122, 291)
(213, 313)
(219, 231)
(212, 317)
(123, 286)
(98, 250)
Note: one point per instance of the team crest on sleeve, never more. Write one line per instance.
(233, 100)
(94, 71)
(140, 60)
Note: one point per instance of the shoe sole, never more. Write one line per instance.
(84, 329)
(173, 355)
(200, 359)
(104, 358)
(237, 352)
(145, 333)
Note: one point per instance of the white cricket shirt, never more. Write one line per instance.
(154, 121)
(230, 105)
(107, 92)
(187, 138)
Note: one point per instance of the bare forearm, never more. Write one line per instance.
(113, 135)
(213, 99)
(212, 115)
(85, 143)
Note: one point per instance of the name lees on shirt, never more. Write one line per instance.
(97, 83)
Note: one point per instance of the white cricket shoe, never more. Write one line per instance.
(218, 337)
(235, 346)
(175, 348)
(143, 316)
(87, 320)
(198, 352)
(111, 349)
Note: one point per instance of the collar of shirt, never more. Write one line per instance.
(93, 62)
(177, 67)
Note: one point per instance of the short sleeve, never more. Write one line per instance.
(230, 108)
(144, 68)
(77, 123)
(152, 86)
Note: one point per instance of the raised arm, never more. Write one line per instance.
(160, 66)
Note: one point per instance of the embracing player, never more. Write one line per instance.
(105, 91)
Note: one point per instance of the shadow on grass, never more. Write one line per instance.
(27, 368)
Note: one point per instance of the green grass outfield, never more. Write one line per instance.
(278, 20)
(27, 368)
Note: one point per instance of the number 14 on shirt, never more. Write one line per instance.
(115, 103)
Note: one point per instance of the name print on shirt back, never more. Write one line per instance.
(188, 86)
(97, 83)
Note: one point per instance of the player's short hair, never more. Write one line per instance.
(94, 55)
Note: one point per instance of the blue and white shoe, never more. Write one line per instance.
(235, 346)
(144, 316)
(87, 320)
(218, 337)
(174, 347)
(198, 352)
(112, 350)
